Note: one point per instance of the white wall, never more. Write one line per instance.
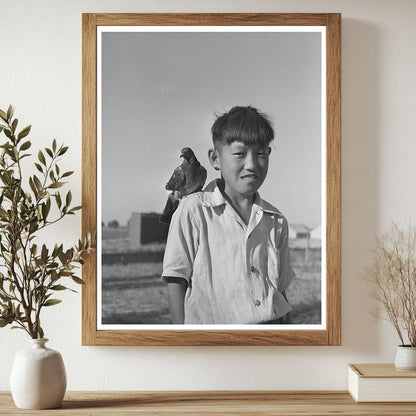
(40, 73)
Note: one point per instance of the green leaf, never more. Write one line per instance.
(39, 167)
(14, 125)
(5, 321)
(37, 183)
(34, 249)
(54, 145)
(33, 187)
(63, 150)
(3, 115)
(58, 199)
(24, 132)
(45, 211)
(5, 179)
(56, 185)
(55, 251)
(25, 145)
(62, 257)
(10, 112)
(76, 279)
(34, 226)
(54, 276)
(60, 249)
(8, 133)
(49, 152)
(51, 302)
(67, 174)
(59, 287)
(76, 208)
(68, 199)
(40, 332)
(41, 157)
(44, 253)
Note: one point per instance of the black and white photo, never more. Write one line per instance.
(160, 93)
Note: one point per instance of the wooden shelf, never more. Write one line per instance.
(212, 403)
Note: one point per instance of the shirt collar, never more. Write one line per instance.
(214, 198)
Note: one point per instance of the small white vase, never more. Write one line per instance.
(38, 377)
(405, 358)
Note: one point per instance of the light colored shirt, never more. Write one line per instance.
(235, 272)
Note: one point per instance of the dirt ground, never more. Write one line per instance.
(133, 293)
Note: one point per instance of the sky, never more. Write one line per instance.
(162, 91)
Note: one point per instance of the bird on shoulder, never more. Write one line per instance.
(186, 179)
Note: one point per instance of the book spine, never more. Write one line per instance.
(353, 381)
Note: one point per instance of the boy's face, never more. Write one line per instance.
(243, 168)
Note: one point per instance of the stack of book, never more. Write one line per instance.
(381, 383)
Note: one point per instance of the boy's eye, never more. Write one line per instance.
(239, 154)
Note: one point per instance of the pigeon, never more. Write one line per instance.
(186, 179)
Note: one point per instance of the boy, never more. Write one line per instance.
(227, 256)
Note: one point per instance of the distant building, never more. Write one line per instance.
(145, 228)
(316, 233)
(299, 231)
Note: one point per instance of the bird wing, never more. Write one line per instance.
(203, 176)
(177, 180)
(195, 180)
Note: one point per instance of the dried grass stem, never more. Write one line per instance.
(393, 277)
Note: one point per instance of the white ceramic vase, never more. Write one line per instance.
(38, 377)
(405, 358)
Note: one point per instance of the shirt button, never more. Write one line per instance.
(257, 302)
(252, 269)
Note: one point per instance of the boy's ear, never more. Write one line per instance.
(213, 159)
(269, 150)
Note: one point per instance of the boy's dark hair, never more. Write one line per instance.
(243, 124)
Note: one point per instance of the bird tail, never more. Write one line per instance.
(170, 208)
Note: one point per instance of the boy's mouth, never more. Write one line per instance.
(250, 177)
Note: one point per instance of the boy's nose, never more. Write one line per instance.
(251, 162)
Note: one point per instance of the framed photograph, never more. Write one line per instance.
(153, 86)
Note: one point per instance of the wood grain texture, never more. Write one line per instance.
(330, 336)
(380, 371)
(89, 173)
(333, 257)
(212, 338)
(266, 403)
(211, 19)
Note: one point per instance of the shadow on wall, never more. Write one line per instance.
(360, 178)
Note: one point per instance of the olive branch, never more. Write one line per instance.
(30, 273)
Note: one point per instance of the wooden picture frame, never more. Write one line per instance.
(331, 334)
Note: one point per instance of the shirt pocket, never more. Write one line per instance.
(273, 263)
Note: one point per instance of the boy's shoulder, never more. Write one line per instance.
(210, 196)
(267, 206)
(271, 209)
(192, 201)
